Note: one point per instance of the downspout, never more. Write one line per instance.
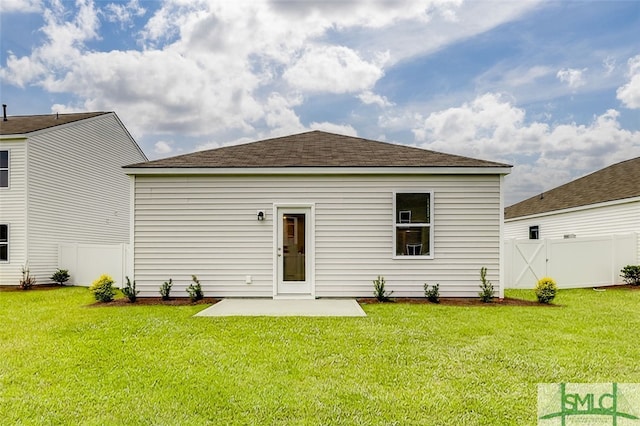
(501, 242)
(129, 257)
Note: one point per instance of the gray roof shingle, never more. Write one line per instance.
(316, 149)
(616, 182)
(23, 124)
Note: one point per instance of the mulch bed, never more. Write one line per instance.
(447, 301)
(458, 301)
(35, 287)
(174, 301)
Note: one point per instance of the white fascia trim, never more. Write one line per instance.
(575, 209)
(319, 171)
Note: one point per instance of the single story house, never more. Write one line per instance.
(317, 215)
(581, 233)
(61, 182)
(603, 203)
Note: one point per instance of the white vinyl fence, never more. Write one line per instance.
(571, 262)
(86, 262)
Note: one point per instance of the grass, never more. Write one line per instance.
(64, 362)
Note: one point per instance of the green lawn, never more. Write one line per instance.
(63, 362)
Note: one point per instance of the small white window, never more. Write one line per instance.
(534, 232)
(413, 224)
(4, 243)
(4, 169)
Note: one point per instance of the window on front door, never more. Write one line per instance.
(413, 227)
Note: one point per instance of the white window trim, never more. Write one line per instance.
(8, 169)
(395, 225)
(8, 243)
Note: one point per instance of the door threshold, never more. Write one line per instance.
(293, 297)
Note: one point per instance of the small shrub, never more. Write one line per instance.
(102, 288)
(631, 274)
(60, 276)
(379, 291)
(195, 289)
(433, 293)
(130, 291)
(487, 293)
(165, 289)
(546, 290)
(27, 280)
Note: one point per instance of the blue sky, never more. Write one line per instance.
(550, 87)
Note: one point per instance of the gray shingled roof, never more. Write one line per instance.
(22, 124)
(316, 149)
(616, 182)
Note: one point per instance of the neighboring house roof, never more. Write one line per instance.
(616, 182)
(22, 124)
(316, 149)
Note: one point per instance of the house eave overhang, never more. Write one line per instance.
(13, 137)
(574, 209)
(315, 171)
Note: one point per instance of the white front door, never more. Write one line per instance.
(294, 252)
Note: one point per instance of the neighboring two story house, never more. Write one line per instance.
(61, 181)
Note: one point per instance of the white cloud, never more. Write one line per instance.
(369, 98)
(62, 50)
(342, 129)
(629, 94)
(163, 148)
(492, 127)
(281, 115)
(22, 71)
(210, 67)
(520, 77)
(573, 77)
(333, 69)
(124, 13)
(609, 65)
(20, 6)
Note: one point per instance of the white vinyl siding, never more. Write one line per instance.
(207, 226)
(78, 192)
(617, 218)
(13, 211)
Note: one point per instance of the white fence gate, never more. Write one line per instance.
(571, 262)
(86, 262)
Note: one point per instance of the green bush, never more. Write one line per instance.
(433, 293)
(27, 280)
(546, 290)
(60, 276)
(165, 289)
(631, 274)
(102, 288)
(130, 291)
(487, 293)
(195, 289)
(379, 291)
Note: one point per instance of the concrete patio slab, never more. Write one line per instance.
(284, 308)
